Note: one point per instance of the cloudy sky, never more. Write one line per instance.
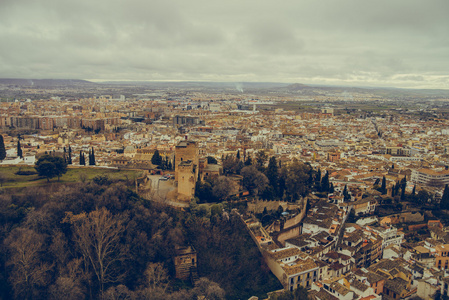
(400, 43)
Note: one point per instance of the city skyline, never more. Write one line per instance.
(383, 44)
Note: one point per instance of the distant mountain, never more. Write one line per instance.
(45, 82)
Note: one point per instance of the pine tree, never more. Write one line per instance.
(19, 149)
(2, 148)
(444, 204)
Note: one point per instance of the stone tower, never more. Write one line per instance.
(186, 167)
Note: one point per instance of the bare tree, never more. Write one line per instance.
(208, 290)
(97, 236)
(28, 273)
(157, 276)
(120, 292)
(66, 288)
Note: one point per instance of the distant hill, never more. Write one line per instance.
(45, 82)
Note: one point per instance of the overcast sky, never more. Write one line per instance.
(400, 43)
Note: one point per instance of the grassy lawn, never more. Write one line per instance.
(12, 180)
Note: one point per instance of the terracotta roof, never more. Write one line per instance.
(289, 252)
(300, 267)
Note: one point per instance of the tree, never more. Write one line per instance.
(156, 159)
(82, 159)
(248, 161)
(92, 157)
(97, 236)
(318, 180)
(296, 177)
(254, 180)
(238, 154)
(346, 195)
(273, 173)
(157, 276)
(211, 160)
(208, 290)
(28, 273)
(444, 204)
(19, 149)
(383, 188)
(50, 166)
(261, 159)
(69, 158)
(223, 187)
(325, 182)
(231, 165)
(422, 197)
(2, 148)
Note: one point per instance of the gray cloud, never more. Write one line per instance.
(386, 43)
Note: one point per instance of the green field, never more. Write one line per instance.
(11, 180)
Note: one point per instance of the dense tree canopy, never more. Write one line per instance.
(254, 180)
(51, 166)
(53, 252)
(156, 159)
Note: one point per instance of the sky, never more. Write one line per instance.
(394, 43)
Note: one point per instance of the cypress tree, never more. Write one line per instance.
(2, 148)
(272, 173)
(238, 154)
(414, 191)
(403, 193)
(325, 182)
(19, 149)
(69, 159)
(92, 158)
(444, 204)
(346, 196)
(383, 188)
(397, 186)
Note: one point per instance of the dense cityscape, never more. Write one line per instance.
(222, 190)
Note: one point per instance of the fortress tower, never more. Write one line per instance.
(186, 167)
